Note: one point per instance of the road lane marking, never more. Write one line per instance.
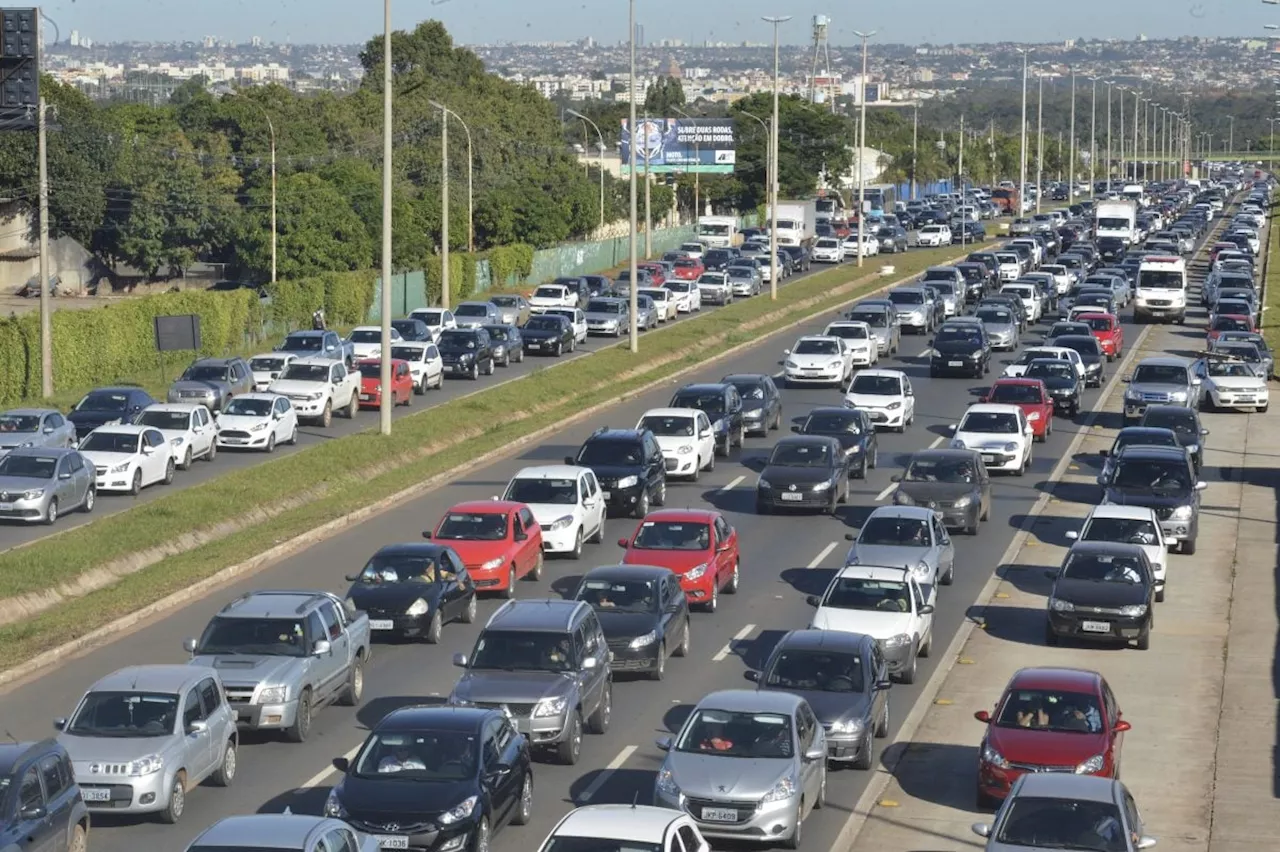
(318, 779)
(737, 637)
(826, 551)
(885, 493)
(936, 441)
(613, 766)
(733, 485)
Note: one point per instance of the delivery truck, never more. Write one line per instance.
(1117, 217)
(718, 231)
(796, 220)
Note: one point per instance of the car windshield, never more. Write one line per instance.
(1097, 323)
(408, 353)
(125, 714)
(602, 451)
(205, 373)
(728, 733)
(749, 389)
(431, 318)
(817, 671)
(549, 293)
(800, 455)
(1016, 394)
(303, 343)
(712, 404)
(366, 335)
(555, 491)
(19, 422)
(417, 756)
(506, 301)
(672, 535)
(103, 401)
(875, 319)
(946, 288)
(1144, 437)
(895, 532)
(1083, 345)
(906, 297)
(603, 306)
(110, 442)
(270, 636)
(676, 287)
(567, 313)
(28, 467)
(1226, 323)
(828, 243)
(1138, 531)
(242, 407)
(1227, 368)
(267, 364)
(473, 310)
(372, 370)
(1051, 710)
(457, 340)
(869, 595)
(176, 420)
(514, 650)
(833, 423)
(955, 471)
(992, 422)
(296, 372)
(996, 316)
(636, 596)
(1152, 475)
(876, 385)
(958, 334)
(543, 323)
(664, 426)
(1183, 422)
(499, 333)
(848, 332)
(1159, 279)
(816, 347)
(1160, 374)
(473, 526)
(1104, 568)
(401, 568)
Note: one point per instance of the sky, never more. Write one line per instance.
(488, 21)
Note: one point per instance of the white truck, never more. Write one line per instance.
(1161, 293)
(1117, 218)
(796, 221)
(318, 387)
(718, 231)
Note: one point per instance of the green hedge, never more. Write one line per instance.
(345, 296)
(510, 264)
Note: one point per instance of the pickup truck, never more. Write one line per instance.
(317, 387)
(319, 344)
(282, 655)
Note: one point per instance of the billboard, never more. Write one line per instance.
(680, 145)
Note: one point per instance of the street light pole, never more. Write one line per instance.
(772, 193)
(862, 149)
(272, 128)
(1039, 141)
(1022, 157)
(471, 228)
(1137, 100)
(600, 135)
(697, 168)
(1123, 90)
(631, 128)
(768, 152)
(1093, 135)
(444, 210)
(915, 148)
(387, 398)
(1231, 135)
(1071, 169)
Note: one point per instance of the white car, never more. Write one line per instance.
(816, 359)
(1129, 525)
(629, 827)
(828, 250)
(714, 287)
(1231, 384)
(318, 387)
(860, 340)
(1029, 296)
(258, 421)
(885, 603)
(1001, 433)
(190, 429)
(435, 319)
(662, 300)
(686, 295)
(268, 367)
(693, 250)
(1010, 266)
(552, 296)
(870, 244)
(128, 458)
(686, 438)
(366, 341)
(577, 320)
(425, 364)
(1018, 368)
(567, 503)
(933, 236)
(1251, 237)
(885, 395)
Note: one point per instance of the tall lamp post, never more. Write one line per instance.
(862, 149)
(1071, 172)
(1039, 141)
(773, 177)
(272, 129)
(697, 168)
(600, 135)
(1123, 90)
(1022, 157)
(631, 129)
(1093, 135)
(1231, 134)
(1108, 155)
(768, 153)
(384, 373)
(445, 114)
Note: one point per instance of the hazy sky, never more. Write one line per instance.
(473, 21)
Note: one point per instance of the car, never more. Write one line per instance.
(1001, 325)
(413, 590)
(1103, 591)
(412, 330)
(883, 322)
(143, 736)
(714, 287)
(1032, 396)
(1228, 322)
(1185, 424)
(553, 296)
(687, 268)
(953, 483)
(885, 603)
(317, 387)
(286, 832)
(658, 272)
(804, 472)
(257, 421)
(723, 406)
(1049, 719)
(815, 359)
(1157, 380)
(933, 236)
(1227, 383)
(686, 438)
(893, 239)
(268, 367)
(646, 827)
(1137, 525)
(189, 428)
(859, 341)
(644, 614)
(549, 334)
(629, 466)
(607, 316)
(577, 321)
(1010, 303)
(1135, 436)
(212, 381)
(744, 281)
(1018, 368)
(567, 503)
(128, 458)
(852, 429)
(646, 313)
(477, 314)
(366, 341)
(1160, 478)
(1000, 432)
(886, 396)
(426, 367)
(436, 319)
(1029, 295)
(402, 386)
(697, 544)
(761, 401)
(799, 258)
(686, 295)
(1090, 355)
(513, 309)
(828, 250)
(470, 762)
(37, 484)
(914, 309)
(41, 428)
(666, 307)
(507, 342)
(1109, 331)
(468, 352)
(45, 803)
(910, 537)
(499, 543)
(761, 747)
(960, 347)
(598, 285)
(563, 685)
(101, 406)
(1055, 810)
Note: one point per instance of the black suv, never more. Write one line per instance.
(761, 401)
(45, 809)
(1159, 478)
(960, 347)
(722, 404)
(628, 464)
(466, 352)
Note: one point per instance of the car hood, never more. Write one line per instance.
(877, 625)
(98, 457)
(392, 596)
(706, 776)
(95, 418)
(471, 322)
(928, 491)
(17, 439)
(678, 561)
(1000, 329)
(248, 668)
(540, 333)
(365, 350)
(241, 421)
(11, 484)
(606, 317)
(1238, 382)
(1014, 371)
(981, 440)
(815, 360)
(831, 707)
(85, 750)
(1087, 593)
(871, 400)
(1152, 387)
(202, 386)
(293, 386)
(671, 443)
(752, 406)
(1146, 498)
(1045, 748)
(783, 476)
(386, 801)
(886, 555)
(620, 625)
(548, 513)
(1060, 383)
(955, 347)
(610, 471)
(509, 315)
(475, 553)
(499, 687)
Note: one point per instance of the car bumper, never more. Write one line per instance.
(1039, 426)
(603, 328)
(1072, 625)
(114, 481)
(427, 837)
(896, 658)
(886, 417)
(124, 795)
(308, 408)
(995, 782)
(371, 400)
(798, 499)
(699, 590)
(398, 625)
(684, 464)
(461, 368)
(628, 659)
(265, 717)
(1179, 531)
(1000, 459)
(621, 499)
(715, 297)
(846, 747)
(25, 510)
(255, 440)
(865, 356)
(1160, 311)
(559, 541)
(945, 365)
(754, 421)
(742, 289)
(1240, 400)
(762, 824)
(814, 377)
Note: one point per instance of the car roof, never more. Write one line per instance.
(804, 441)
(915, 512)
(550, 471)
(485, 506)
(266, 397)
(214, 361)
(1111, 510)
(30, 412)
(634, 823)
(56, 452)
(993, 408)
(287, 831)
(175, 407)
(161, 677)
(538, 614)
(896, 374)
(313, 360)
(123, 429)
(1150, 452)
(671, 412)
(1006, 381)
(627, 572)
(1165, 361)
(828, 640)
(11, 754)
(1104, 547)
(436, 717)
(272, 603)
(1168, 408)
(1055, 677)
(751, 700)
(704, 516)
(940, 453)
(746, 377)
(1062, 785)
(702, 387)
(874, 572)
(607, 434)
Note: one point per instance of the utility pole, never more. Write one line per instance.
(862, 148)
(1071, 180)
(1123, 90)
(1022, 173)
(1137, 100)
(1093, 135)
(631, 128)
(599, 135)
(915, 148)
(772, 193)
(697, 168)
(1039, 142)
(46, 307)
(960, 185)
(384, 372)
(1231, 135)
(444, 210)
(1109, 149)
(471, 228)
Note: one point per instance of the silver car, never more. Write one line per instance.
(37, 485)
(1056, 810)
(1001, 326)
(745, 281)
(646, 313)
(512, 310)
(1162, 380)
(746, 766)
(911, 537)
(476, 314)
(286, 832)
(141, 737)
(35, 427)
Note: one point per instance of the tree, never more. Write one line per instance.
(664, 93)
(810, 142)
(318, 230)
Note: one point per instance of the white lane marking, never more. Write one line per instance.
(614, 766)
(936, 441)
(826, 551)
(737, 637)
(733, 485)
(885, 493)
(318, 779)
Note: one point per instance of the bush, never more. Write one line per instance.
(462, 277)
(511, 264)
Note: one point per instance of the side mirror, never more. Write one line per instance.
(1127, 379)
(1122, 726)
(48, 430)
(813, 600)
(189, 645)
(1051, 573)
(1103, 453)
(752, 676)
(590, 663)
(927, 609)
(623, 542)
(795, 429)
(198, 727)
(815, 754)
(786, 351)
(983, 716)
(663, 743)
(59, 724)
(321, 647)
(981, 829)
(1201, 485)
(569, 460)
(147, 451)
(38, 812)
(1073, 535)
(351, 578)
(882, 685)
(460, 660)
(850, 537)
(1204, 431)
(1145, 842)
(64, 476)
(342, 764)
(930, 342)
(952, 427)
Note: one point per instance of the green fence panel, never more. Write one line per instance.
(408, 292)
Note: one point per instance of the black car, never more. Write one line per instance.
(413, 590)
(1103, 591)
(761, 401)
(466, 352)
(1140, 436)
(41, 816)
(1111, 249)
(723, 406)
(1062, 380)
(1184, 422)
(548, 334)
(853, 428)
(643, 612)
(1091, 355)
(960, 348)
(101, 406)
(629, 467)
(800, 259)
(976, 279)
(987, 259)
(804, 472)
(598, 285)
(441, 777)
(717, 260)
(412, 329)
(953, 482)
(893, 239)
(1159, 478)
(508, 344)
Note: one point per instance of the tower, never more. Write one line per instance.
(821, 49)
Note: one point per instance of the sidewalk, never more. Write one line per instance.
(1201, 755)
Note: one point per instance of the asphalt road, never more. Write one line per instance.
(783, 559)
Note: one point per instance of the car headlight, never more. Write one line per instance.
(1182, 513)
(1092, 765)
(1034, 415)
(628, 482)
(492, 564)
(783, 790)
(461, 812)
(846, 726)
(696, 572)
(763, 484)
(33, 494)
(900, 499)
(333, 806)
(1133, 610)
(121, 468)
(958, 444)
(823, 486)
(893, 406)
(685, 450)
(666, 784)
(418, 607)
(963, 502)
(897, 641)
(259, 427)
(550, 707)
(644, 641)
(1059, 605)
(1132, 396)
(993, 757)
(1011, 446)
(561, 523)
(273, 695)
(790, 365)
(148, 765)
(177, 442)
(1178, 396)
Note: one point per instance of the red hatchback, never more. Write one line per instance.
(1049, 720)
(1221, 247)
(1108, 331)
(698, 545)
(1229, 322)
(689, 269)
(657, 270)
(499, 542)
(1032, 397)
(371, 383)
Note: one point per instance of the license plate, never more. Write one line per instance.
(988, 459)
(719, 814)
(391, 841)
(365, 397)
(955, 363)
(96, 794)
(6, 507)
(382, 624)
(1095, 626)
(793, 497)
(605, 495)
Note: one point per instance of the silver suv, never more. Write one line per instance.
(212, 382)
(1160, 381)
(548, 662)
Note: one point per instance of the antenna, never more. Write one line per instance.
(11, 736)
(635, 798)
(288, 811)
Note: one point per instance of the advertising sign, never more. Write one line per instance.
(681, 145)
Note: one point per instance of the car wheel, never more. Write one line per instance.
(862, 468)
(326, 417)
(697, 470)
(682, 650)
(1188, 547)
(882, 724)
(177, 804)
(793, 841)
(642, 505)
(434, 629)
(169, 468)
(713, 603)
(186, 460)
(731, 588)
(510, 591)
(536, 573)
(90, 498)
(354, 689)
(213, 451)
(520, 356)
(226, 771)
(51, 514)
(571, 749)
(985, 802)
(1160, 596)
(481, 842)
(271, 443)
(576, 553)
(661, 498)
(524, 810)
(301, 727)
(421, 387)
(354, 405)
(488, 370)
(722, 448)
(866, 754)
(1143, 642)
(659, 670)
(79, 840)
(475, 372)
(908, 674)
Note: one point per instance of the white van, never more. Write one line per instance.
(1161, 293)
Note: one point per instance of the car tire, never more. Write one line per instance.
(570, 750)
(79, 840)
(661, 498)
(213, 451)
(186, 460)
(659, 670)
(421, 387)
(536, 573)
(1160, 596)
(1187, 547)
(90, 498)
(354, 405)
(435, 628)
(866, 754)
(1143, 642)
(881, 729)
(983, 802)
(474, 375)
(713, 603)
(488, 370)
(469, 612)
(576, 553)
(946, 580)
(51, 514)
(226, 771)
(682, 650)
(353, 692)
(908, 674)
(862, 469)
(642, 505)
(176, 806)
(271, 443)
(697, 470)
(510, 591)
(524, 807)
(169, 468)
(326, 416)
(301, 727)
(793, 840)
(520, 356)
(723, 452)
(735, 579)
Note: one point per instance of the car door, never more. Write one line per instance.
(36, 823)
(434, 365)
(59, 795)
(706, 436)
(943, 547)
(677, 603)
(807, 730)
(197, 744)
(154, 459)
(655, 466)
(282, 419)
(339, 645)
(459, 586)
(499, 773)
(723, 540)
(909, 398)
(1112, 715)
(202, 431)
(81, 479)
(222, 719)
(592, 503)
(530, 548)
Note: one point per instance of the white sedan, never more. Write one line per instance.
(577, 319)
(425, 364)
(1001, 433)
(366, 341)
(685, 436)
(1232, 385)
(258, 421)
(817, 359)
(932, 236)
(870, 244)
(663, 299)
(128, 458)
(686, 295)
(189, 428)
(860, 340)
(828, 250)
(886, 396)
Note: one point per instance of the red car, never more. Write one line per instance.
(1229, 322)
(1219, 247)
(371, 383)
(1049, 720)
(1032, 397)
(841, 228)
(1108, 331)
(698, 545)
(498, 540)
(688, 269)
(657, 270)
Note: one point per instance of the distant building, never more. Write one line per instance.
(74, 40)
(638, 35)
(672, 68)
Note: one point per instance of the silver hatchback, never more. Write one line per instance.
(35, 427)
(38, 485)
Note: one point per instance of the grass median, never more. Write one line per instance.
(1271, 285)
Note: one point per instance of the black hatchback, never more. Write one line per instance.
(466, 352)
(628, 465)
(804, 472)
(1184, 422)
(960, 348)
(1103, 591)
(761, 401)
(436, 778)
(723, 406)
(548, 334)
(853, 428)
(643, 612)
(413, 590)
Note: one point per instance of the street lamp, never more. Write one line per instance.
(1109, 84)
(1093, 135)
(773, 179)
(768, 154)
(1022, 173)
(271, 127)
(1039, 141)
(1123, 90)
(1071, 173)
(697, 167)
(576, 114)
(444, 193)
(387, 398)
(1231, 134)
(862, 149)
(633, 332)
